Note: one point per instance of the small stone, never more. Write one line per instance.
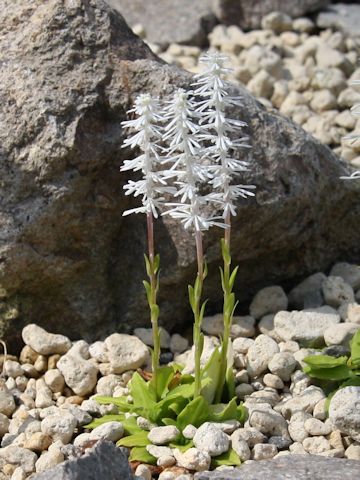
(54, 380)
(348, 272)
(268, 300)
(7, 402)
(166, 461)
(335, 440)
(146, 336)
(305, 327)
(12, 369)
(126, 352)
(18, 474)
(242, 345)
(243, 327)
(308, 293)
(193, 459)
(163, 435)
(243, 390)
(320, 410)
(242, 376)
(280, 442)
(340, 334)
(304, 402)
(344, 412)
(336, 291)
(43, 394)
(48, 460)
(316, 427)
(81, 440)
(79, 374)
(209, 438)
(107, 384)
(52, 361)
(111, 431)
(158, 452)
(38, 442)
(189, 431)
(59, 427)
(316, 445)
(277, 22)
(264, 451)
(303, 25)
(28, 355)
(323, 100)
(240, 446)
(43, 342)
(261, 85)
(259, 354)
(273, 381)
(267, 421)
(178, 344)
(99, 351)
(251, 435)
(282, 364)
(41, 364)
(143, 471)
(350, 312)
(297, 449)
(4, 424)
(353, 452)
(19, 456)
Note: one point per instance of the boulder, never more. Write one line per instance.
(248, 13)
(290, 467)
(69, 261)
(102, 462)
(186, 22)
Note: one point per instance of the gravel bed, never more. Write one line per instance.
(47, 394)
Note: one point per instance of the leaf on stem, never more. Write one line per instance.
(355, 349)
(225, 252)
(136, 440)
(148, 265)
(228, 458)
(140, 454)
(233, 277)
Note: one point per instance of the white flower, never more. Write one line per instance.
(147, 133)
(214, 99)
(182, 133)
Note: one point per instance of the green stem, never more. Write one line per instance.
(227, 312)
(197, 335)
(152, 270)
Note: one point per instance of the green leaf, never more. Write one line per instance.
(355, 349)
(223, 411)
(136, 440)
(155, 311)
(242, 414)
(148, 291)
(165, 375)
(342, 372)
(324, 361)
(195, 413)
(212, 372)
(156, 263)
(202, 310)
(228, 458)
(233, 277)
(140, 454)
(143, 396)
(147, 265)
(192, 297)
(230, 382)
(106, 418)
(225, 252)
(222, 279)
(130, 426)
(205, 272)
(120, 402)
(183, 445)
(169, 421)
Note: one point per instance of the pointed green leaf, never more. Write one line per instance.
(142, 395)
(192, 297)
(222, 279)
(242, 414)
(147, 265)
(342, 372)
(130, 426)
(233, 277)
(169, 421)
(222, 412)
(230, 382)
(202, 310)
(212, 372)
(182, 446)
(105, 419)
(155, 311)
(164, 377)
(148, 291)
(140, 454)
(355, 349)
(324, 361)
(205, 273)
(195, 413)
(156, 263)
(136, 440)
(228, 458)
(225, 252)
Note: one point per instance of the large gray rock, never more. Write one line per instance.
(248, 13)
(185, 22)
(103, 462)
(290, 467)
(341, 16)
(69, 261)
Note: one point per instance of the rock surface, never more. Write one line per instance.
(104, 461)
(65, 247)
(290, 467)
(341, 16)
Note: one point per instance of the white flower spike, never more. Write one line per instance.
(147, 135)
(214, 98)
(185, 152)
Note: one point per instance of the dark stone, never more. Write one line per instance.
(69, 261)
(336, 351)
(103, 462)
(282, 443)
(290, 467)
(166, 357)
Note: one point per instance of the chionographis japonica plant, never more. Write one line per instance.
(185, 144)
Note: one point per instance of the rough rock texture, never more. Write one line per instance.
(290, 467)
(341, 17)
(103, 462)
(248, 13)
(169, 22)
(69, 260)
